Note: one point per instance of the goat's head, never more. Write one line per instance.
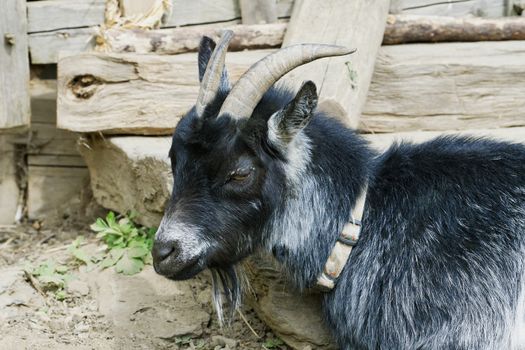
(227, 160)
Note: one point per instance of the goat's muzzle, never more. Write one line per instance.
(170, 261)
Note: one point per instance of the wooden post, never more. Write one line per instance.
(14, 65)
(342, 82)
(9, 191)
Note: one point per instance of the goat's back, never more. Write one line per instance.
(441, 260)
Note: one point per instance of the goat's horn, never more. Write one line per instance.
(212, 76)
(253, 84)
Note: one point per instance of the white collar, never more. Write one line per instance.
(343, 247)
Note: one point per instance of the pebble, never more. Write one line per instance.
(219, 340)
(81, 327)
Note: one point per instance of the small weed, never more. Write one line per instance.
(129, 245)
(273, 343)
(51, 277)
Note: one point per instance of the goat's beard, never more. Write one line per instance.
(228, 284)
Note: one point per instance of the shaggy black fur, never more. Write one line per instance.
(440, 261)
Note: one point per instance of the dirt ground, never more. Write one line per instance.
(105, 310)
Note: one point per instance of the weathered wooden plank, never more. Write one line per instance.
(9, 191)
(135, 7)
(56, 160)
(403, 29)
(343, 81)
(122, 93)
(454, 8)
(133, 173)
(52, 15)
(258, 11)
(43, 101)
(45, 138)
(44, 46)
(453, 86)
(54, 191)
(14, 65)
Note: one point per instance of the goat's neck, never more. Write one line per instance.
(319, 201)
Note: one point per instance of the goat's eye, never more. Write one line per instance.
(240, 174)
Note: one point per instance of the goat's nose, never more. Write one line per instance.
(162, 250)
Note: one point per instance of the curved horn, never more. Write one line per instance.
(212, 77)
(253, 84)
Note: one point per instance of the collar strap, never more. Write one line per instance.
(343, 247)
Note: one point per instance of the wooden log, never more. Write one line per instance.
(452, 86)
(462, 8)
(14, 65)
(415, 87)
(187, 39)
(342, 82)
(403, 29)
(70, 25)
(114, 92)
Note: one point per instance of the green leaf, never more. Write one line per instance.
(52, 280)
(60, 294)
(137, 252)
(81, 255)
(129, 266)
(110, 218)
(148, 259)
(62, 269)
(107, 262)
(116, 253)
(99, 225)
(273, 343)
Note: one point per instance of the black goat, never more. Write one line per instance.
(440, 260)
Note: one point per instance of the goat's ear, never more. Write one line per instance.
(206, 47)
(286, 123)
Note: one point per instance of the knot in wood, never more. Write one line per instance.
(84, 86)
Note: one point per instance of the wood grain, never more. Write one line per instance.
(258, 11)
(14, 65)
(130, 93)
(52, 15)
(343, 81)
(71, 25)
(401, 29)
(9, 191)
(450, 86)
(186, 39)
(454, 8)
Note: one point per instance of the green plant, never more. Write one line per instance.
(273, 343)
(129, 245)
(51, 277)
